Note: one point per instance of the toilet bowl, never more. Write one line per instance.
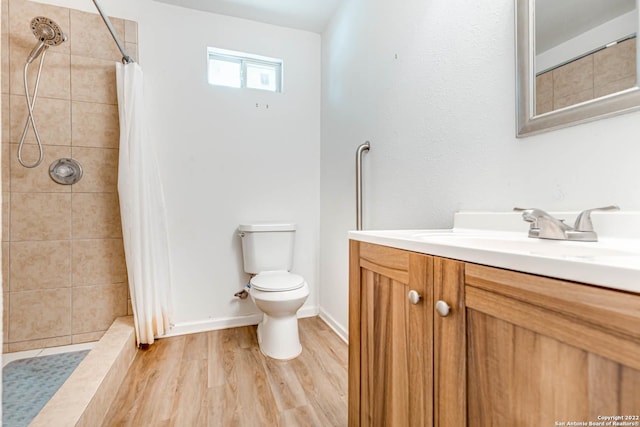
(267, 250)
(278, 335)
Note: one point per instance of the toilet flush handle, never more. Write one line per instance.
(243, 294)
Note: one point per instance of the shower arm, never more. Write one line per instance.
(126, 59)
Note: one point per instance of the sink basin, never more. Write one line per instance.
(524, 245)
(500, 240)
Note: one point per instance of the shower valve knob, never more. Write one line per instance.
(65, 171)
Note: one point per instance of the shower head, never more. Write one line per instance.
(48, 34)
(47, 31)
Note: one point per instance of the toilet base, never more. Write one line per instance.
(278, 337)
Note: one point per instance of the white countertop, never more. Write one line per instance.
(500, 240)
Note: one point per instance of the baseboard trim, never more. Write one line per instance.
(308, 312)
(333, 324)
(227, 322)
(187, 328)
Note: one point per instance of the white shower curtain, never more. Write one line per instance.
(142, 211)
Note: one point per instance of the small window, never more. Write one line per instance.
(238, 69)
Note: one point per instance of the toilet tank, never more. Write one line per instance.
(267, 246)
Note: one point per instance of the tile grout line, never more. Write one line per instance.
(71, 233)
(8, 96)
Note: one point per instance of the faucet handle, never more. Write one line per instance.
(583, 221)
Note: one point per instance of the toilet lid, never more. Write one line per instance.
(277, 281)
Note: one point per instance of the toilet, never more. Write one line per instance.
(267, 251)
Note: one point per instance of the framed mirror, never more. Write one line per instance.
(576, 61)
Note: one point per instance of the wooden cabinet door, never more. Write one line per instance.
(390, 338)
(544, 352)
(449, 347)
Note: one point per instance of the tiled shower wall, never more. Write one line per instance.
(64, 275)
(601, 73)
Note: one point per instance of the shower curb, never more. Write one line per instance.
(85, 398)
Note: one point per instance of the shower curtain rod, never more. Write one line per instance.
(126, 59)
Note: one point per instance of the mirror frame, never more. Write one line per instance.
(530, 124)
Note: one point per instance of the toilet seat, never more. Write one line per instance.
(276, 281)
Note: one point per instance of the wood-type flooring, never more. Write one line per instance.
(220, 378)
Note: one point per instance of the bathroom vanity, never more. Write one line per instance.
(445, 333)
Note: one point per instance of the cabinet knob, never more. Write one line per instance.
(414, 297)
(443, 308)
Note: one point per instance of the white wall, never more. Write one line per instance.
(441, 120)
(223, 160)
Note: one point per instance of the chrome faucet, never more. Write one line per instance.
(546, 226)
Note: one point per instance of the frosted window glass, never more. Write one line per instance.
(225, 73)
(261, 77)
(244, 70)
